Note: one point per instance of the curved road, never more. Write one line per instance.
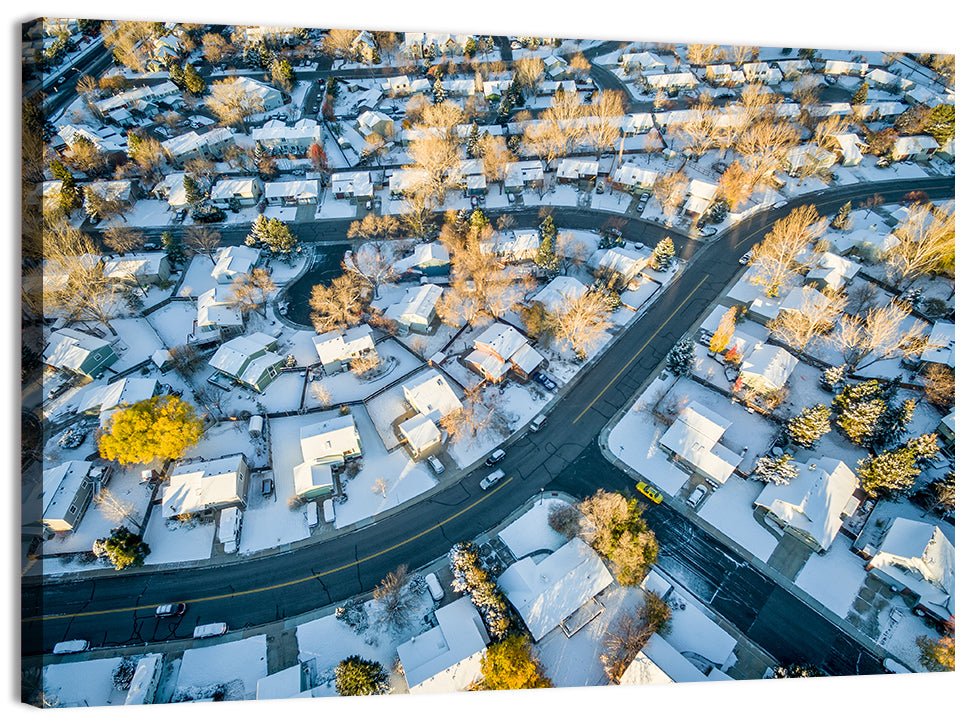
(117, 610)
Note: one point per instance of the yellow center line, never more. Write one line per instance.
(285, 583)
(641, 349)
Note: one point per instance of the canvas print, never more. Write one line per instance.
(362, 362)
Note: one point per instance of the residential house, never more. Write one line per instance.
(426, 259)
(917, 558)
(171, 189)
(292, 682)
(914, 147)
(265, 96)
(218, 318)
(767, 368)
(632, 179)
(552, 87)
(514, 245)
(447, 657)
(364, 47)
(523, 174)
(623, 262)
(106, 399)
(233, 261)
(940, 344)
(793, 69)
(556, 67)
(880, 110)
(210, 145)
(470, 176)
(883, 80)
(203, 487)
(105, 141)
(636, 123)
(761, 72)
(72, 350)
(416, 310)
(812, 506)
(292, 192)
(808, 159)
(699, 197)
(547, 592)
(658, 662)
(250, 360)
(354, 186)
(832, 271)
(430, 45)
(271, 34)
(374, 122)
(398, 86)
(849, 149)
(244, 191)
(124, 191)
(645, 62)
(499, 349)
(67, 491)
(277, 137)
(561, 292)
(693, 442)
(843, 67)
(143, 269)
(331, 442)
(430, 394)
(719, 74)
(945, 429)
(405, 180)
(575, 170)
(336, 349)
(671, 82)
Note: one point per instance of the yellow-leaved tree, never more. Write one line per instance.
(159, 427)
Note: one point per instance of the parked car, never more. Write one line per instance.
(650, 492)
(640, 206)
(59, 389)
(267, 485)
(75, 646)
(639, 246)
(538, 422)
(152, 245)
(436, 465)
(491, 479)
(719, 167)
(708, 232)
(497, 456)
(434, 587)
(600, 188)
(745, 258)
(169, 610)
(180, 215)
(511, 197)
(696, 496)
(209, 630)
(545, 381)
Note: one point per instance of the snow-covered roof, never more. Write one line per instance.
(133, 266)
(669, 80)
(561, 289)
(431, 254)
(278, 130)
(914, 144)
(843, 67)
(269, 96)
(501, 339)
(282, 684)
(625, 261)
(301, 189)
(812, 502)
(694, 437)
(417, 306)
(235, 260)
(492, 366)
(523, 171)
(804, 299)
(575, 168)
(336, 346)
(643, 60)
(430, 394)
(942, 339)
(258, 366)
(232, 356)
(235, 187)
(447, 657)
(214, 308)
(658, 662)
(546, 593)
(60, 486)
(126, 391)
(420, 432)
(329, 441)
(312, 477)
(203, 484)
(629, 174)
(809, 155)
(770, 364)
(357, 183)
(69, 348)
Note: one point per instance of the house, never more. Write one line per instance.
(292, 682)
(337, 349)
(271, 34)
(261, 95)
(405, 180)
(792, 69)
(123, 191)
(940, 344)
(277, 137)
(918, 559)
(632, 179)
(470, 176)
(761, 72)
(447, 657)
(547, 592)
(671, 81)
(803, 299)
(849, 149)
(331, 442)
(430, 45)
(693, 442)
(883, 80)
(250, 360)
(69, 349)
(244, 191)
(210, 145)
(104, 399)
(374, 122)
(832, 271)
(645, 62)
(171, 189)
(811, 507)
(68, 134)
(767, 368)
(881, 110)
(719, 74)
(523, 174)
(416, 310)
(514, 245)
(699, 197)
(624, 262)
(421, 435)
(217, 316)
(500, 348)
(67, 490)
(843, 67)
(233, 261)
(426, 259)
(430, 394)
(398, 86)
(203, 487)
(945, 429)
(293, 192)
(809, 158)
(574, 170)
(658, 662)
(636, 123)
(352, 186)
(561, 292)
(142, 269)
(913, 147)
(364, 47)
(552, 87)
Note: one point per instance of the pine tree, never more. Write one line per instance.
(124, 548)
(893, 424)
(936, 654)
(193, 82)
(663, 254)
(192, 191)
(890, 473)
(780, 470)
(832, 379)
(546, 256)
(176, 73)
(680, 358)
(438, 91)
(860, 94)
(356, 676)
(841, 221)
(470, 47)
(472, 144)
(547, 228)
(173, 247)
(859, 410)
(808, 426)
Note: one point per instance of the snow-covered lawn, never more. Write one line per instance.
(83, 683)
(173, 541)
(730, 510)
(346, 387)
(835, 577)
(530, 532)
(174, 322)
(137, 342)
(197, 277)
(284, 393)
(384, 409)
(236, 665)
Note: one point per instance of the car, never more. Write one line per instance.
(538, 422)
(696, 496)
(496, 456)
(599, 188)
(511, 197)
(267, 485)
(208, 630)
(719, 167)
(180, 215)
(639, 246)
(436, 465)
(152, 245)
(491, 479)
(170, 610)
(545, 381)
(474, 202)
(434, 587)
(58, 390)
(368, 205)
(76, 646)
(708, 232)
(650, 492)
(640, 206)
(745, 258)
(779, 204)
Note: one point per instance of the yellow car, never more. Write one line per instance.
(650, 492)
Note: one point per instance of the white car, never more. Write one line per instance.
(745, 258)
(696, 496)
(491, 479)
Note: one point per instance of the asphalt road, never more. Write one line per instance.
(116, 610)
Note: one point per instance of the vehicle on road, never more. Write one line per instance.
(708, 232)
(152, 245)
(75, 646)
(209, 630)
(59, 389)
(538, 422)
(436, 465)
(545, 381)
(491, 479)
(650, 492)
(745, 258)
(497, 456)
(696, 496)
(170, 610)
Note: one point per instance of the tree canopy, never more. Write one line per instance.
(161, 427)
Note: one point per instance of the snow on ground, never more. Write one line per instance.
(138, 342)
(197, 278)
(284, 393)
(282, 272)
(145, 213)
(384, 409)
(223, 663)
(174, 322)
(228, 438)
(730, 510)
(834, 578)
(83, 683)
(530, 532)
(899, 635)
(173, 541)
(346, 387)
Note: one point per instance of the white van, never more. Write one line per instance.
(329, 508)
(434, 587)
(210, 629)
(538, 422)
(75, 646)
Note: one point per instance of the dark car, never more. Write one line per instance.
(152, 245)
(545, 381)
(169, 610)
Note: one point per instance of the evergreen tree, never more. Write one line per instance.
(192, 190)
(505, 108)
(893, 424)
(546, 256)
(841, 220)
(859, 410)
(472, 144)
(70, 195)
(438, 91)
(264, 56)
(780, 470)
(832, 379)
(681, 356)
(478, 221)
(176, 73)
(941, 125)
(860, 94)
(547, 228)
(936, 654)
(193, 82)
(471, 47)
(890, 473)
(356, 676)
(273, 233)
(124, 548)
(173, 247)
(515, 91)
(663, 254)
(808, 426)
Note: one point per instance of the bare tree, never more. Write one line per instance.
(186, 360)
(939, 385)
(625, 638)
(365, 363)
(202, 240)
(102, 207)
(735, 187)
(764, 146)
(122, 239)
(529, 70)
(380, 486)
(473, 418)
(232, 104)
(700, 54)
(372, 265)
(582, 321)
(114, 509)
(495, 156)
(395, 601)
(338, 42)
(559, 129)
(215, 47)
(580, 66)
(321, 394)
(251, 290)
(925, 244)
(700, 133)
(669, 190)
(775, 259)
(602, 128)
(742, 53)
(877, 335)
(798, 327)
(724, 332)
(571, 251)
(339, 305)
